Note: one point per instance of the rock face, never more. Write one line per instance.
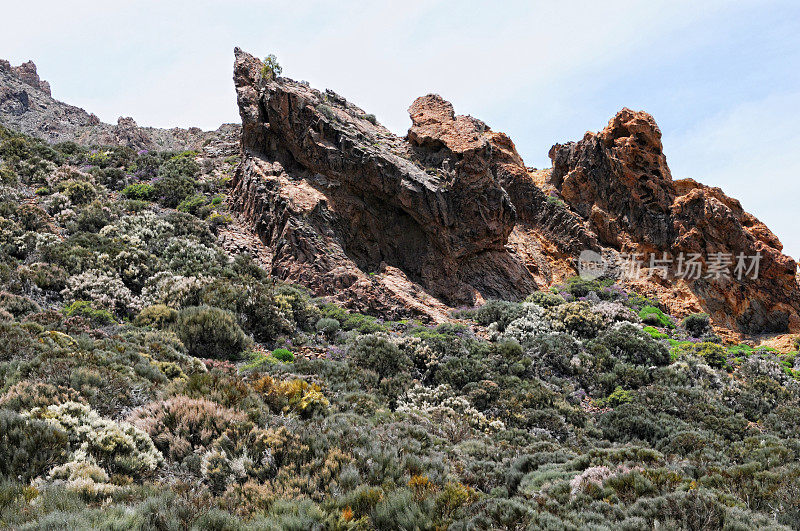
(450, 215)
(400, 226)
(26, 105)
(619, 183)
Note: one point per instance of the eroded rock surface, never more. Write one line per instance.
(618, 181)
(398, 226)
(450, 215)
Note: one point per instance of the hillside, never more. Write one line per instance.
(330, 327)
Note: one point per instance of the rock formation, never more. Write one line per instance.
(618, 181)
(27, 106)
(398, 225)
(450, 215)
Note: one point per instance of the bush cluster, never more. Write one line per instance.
(124, 403)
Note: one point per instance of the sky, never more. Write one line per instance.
(721, 78)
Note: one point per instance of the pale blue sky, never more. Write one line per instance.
(722, 80)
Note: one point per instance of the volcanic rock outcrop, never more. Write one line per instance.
(450, 215)
(27, 106)
(395, 226)
(618, 181)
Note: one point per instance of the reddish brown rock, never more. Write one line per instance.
(618, 181)
(391, 225)
(450, 215)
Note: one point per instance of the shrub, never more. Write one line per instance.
(399, 510)
(580, 287)
(282, 354)
(176, 181)
(139, 191)
(697, 324)
(291, 395)
(158, 315)
(714, 354)
(377, 352)
(17, 305)
(181, 425)
(631, 344)
(29, 447)
(532, 323)
(618, 397)
(105, 290)
(271, 68)
(93, 217)
(552, 354)
(500, 312)
(257, 308)
(7, 175)
(185, 256)
(118, 447)
(192, 204)
(545, 299)
(209, 332)
(80, 192)
(443, 406)
(655, 317)
(577, 318)
(655, 333)
(26, 395)
(328, 326)
(87, 310)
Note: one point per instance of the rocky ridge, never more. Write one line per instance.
(27, 106)
(449, 215)
(619, 183)
(394, 225)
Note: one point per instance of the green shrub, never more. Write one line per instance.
(29, 447)
(655, 333)
(618, 397)
(326, 111)
(157, 315)
(500, 312)
(697, 324)
(631, 344)
(580, 287)
(328, 326)
(80, 192)
(653, 316)
(86, 309)
(545, 299)
(139, 191)
(210, 332)
(399, 510)
(257, 308)
(271, 68)
(283, 355)
(7, 175)
(192, 204)
(714, 354)
(377, 352)
(176, 181)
